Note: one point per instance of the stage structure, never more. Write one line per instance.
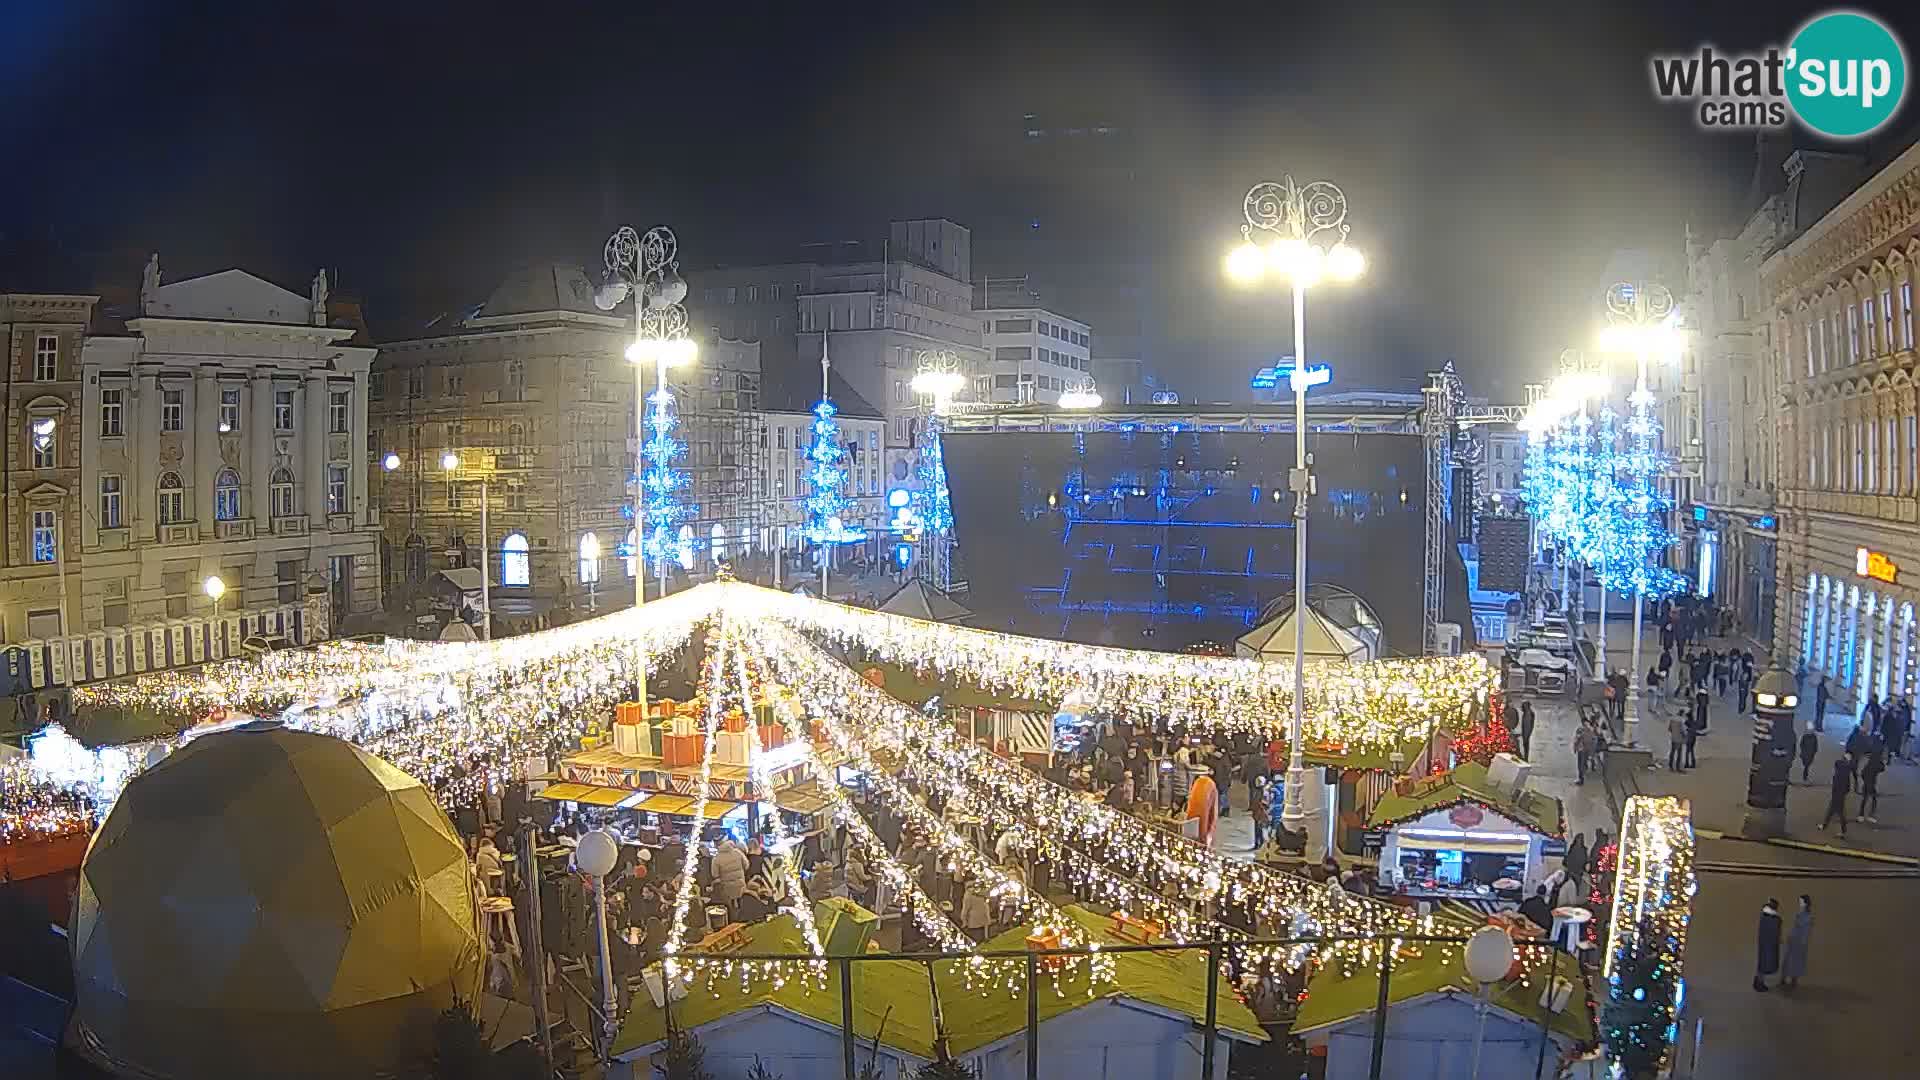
(1444, 414)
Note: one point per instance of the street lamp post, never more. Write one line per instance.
(595, 857)
(647, 270)
(1299, 220)
(215, 589)
(450, 461)
(1641, 318)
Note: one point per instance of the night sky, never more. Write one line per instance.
(1494, 156)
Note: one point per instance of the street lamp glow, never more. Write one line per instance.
(390, 462)
(1661, 341)
(450, 461)
(1080, 397)
(680, 352)
(938, 384)
(641, 351)
(1345, 263)
(1246, 263)
(215, 588)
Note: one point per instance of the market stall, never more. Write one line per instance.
(1466, 834)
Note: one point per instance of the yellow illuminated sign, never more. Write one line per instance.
(1875, 565)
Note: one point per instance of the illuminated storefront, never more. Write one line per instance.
(1858, 628)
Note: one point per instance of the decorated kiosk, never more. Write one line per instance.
(1476, 833)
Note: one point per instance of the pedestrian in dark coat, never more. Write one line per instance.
(1575, 860)
(1701, 699)
(1526, 730)
(1809, 746)
(1837, 795)
(1794, 965)
(1820, 704)
(1768, 940)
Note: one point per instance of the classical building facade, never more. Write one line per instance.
(532, 393)
(1840, 298)
(43, 335)
(226, 434)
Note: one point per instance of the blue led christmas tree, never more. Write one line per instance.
(1645, 506)
(936, 503)
(827, 503)
(666, 506)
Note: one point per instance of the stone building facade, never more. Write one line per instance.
(42, 335)
(1840, 298)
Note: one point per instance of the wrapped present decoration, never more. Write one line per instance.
(818, 733)
(683, 725)
(1048, 938)
(682, 751)
(653, 738)
(735, 720)
(772, 735)
(733, 747)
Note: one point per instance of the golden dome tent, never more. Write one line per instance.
(271, 902)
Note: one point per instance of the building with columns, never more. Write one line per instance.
(1840, 299)
(225, 434)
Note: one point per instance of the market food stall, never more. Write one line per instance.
(1466, 834)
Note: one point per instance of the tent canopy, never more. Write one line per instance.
(1326, 640)
(916, 601)
(465, 579)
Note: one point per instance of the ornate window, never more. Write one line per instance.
(173, 499)
(515, 561)
(280, 493)
(589, 558)
(226, 496)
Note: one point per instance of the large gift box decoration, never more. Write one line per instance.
(772, 735)
(735, 720)
(683, 725)
(628, 725)
(733, 747)
(682, 751)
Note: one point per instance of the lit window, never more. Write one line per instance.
(589, 559)
(515, 562)
(336, 489)
(226, 496)
(45, 532)
(43, 442)
(109, 502)
(229, 410)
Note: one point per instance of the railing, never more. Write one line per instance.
(1217, 955)
(118, 651)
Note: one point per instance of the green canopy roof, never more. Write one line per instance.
(1333, 997)
(904, 685)
(897, 990)
(1468, 783)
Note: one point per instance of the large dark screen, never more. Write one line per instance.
(1158, 540)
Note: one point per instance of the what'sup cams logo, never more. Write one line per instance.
(1843, 75)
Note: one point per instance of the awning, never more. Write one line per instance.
(564, 792)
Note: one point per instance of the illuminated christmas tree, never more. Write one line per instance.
(827, 503)
(666, 507)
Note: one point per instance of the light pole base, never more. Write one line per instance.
(1762, 824)
(1304, 810)
(1632, 726)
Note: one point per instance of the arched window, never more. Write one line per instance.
(589, 559)
(685, 552)
(280, 493)
(226, 496)
(718, 546)
(173, 499)
(633, 548)
(515, 565)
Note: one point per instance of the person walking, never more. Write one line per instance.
(1809, 746)
(1768, 941)
(1876, 764)
(1676, 743)
(1653, 685)
(1870, 715)
(1526, 731)
(1793, 966)
(1260, 806)
(1842, 784)
(1575, 862)
(1693, 736)
(1720, 674)
(1582, 746)
(1619, 683)
(1820, 704)
(1701, 700)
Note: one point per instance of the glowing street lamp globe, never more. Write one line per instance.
(390, 462)
(215, 588)
(450, 461)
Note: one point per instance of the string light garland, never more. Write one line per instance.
(1647, 936)
(1378, 705)
(674, 965)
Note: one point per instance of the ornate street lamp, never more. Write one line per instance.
(1297, 233)
(647, 270)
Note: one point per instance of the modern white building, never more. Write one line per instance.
(1034, 355)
